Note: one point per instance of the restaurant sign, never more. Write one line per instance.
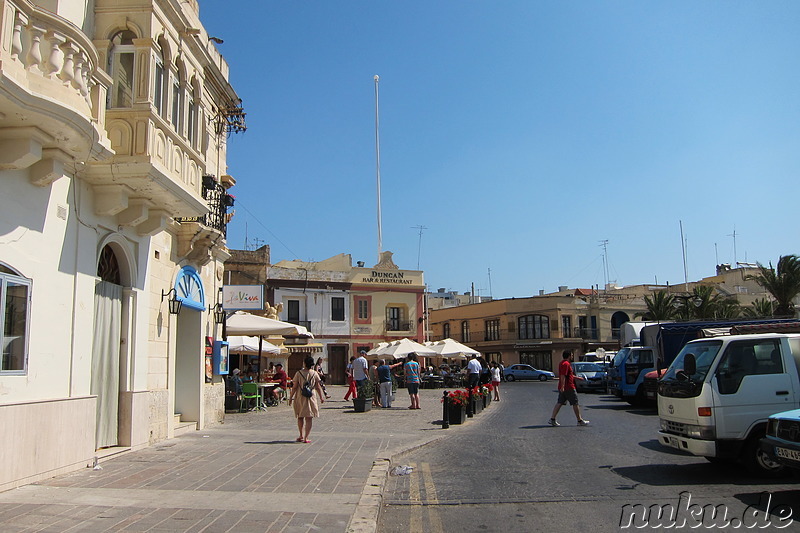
(236, 297)
(394, 277)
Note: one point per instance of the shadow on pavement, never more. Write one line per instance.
(656, 446)
(780, 504)
(270, 442)
(692, 474)
(632, 410)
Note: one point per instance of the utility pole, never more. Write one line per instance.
(378, 169)
(734, 245)
(419, 246)
(604, 244)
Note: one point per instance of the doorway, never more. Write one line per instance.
(337, 364)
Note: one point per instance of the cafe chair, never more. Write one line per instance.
(249, 392)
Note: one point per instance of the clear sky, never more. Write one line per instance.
(520, 133)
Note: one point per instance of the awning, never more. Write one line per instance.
(312, 347)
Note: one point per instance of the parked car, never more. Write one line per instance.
(594, 377)
(782, 442)
(515, 372)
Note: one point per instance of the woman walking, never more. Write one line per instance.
(496, 380)
(306, 408)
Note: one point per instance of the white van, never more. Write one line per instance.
(716, 396)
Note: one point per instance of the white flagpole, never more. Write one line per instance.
(378, 170)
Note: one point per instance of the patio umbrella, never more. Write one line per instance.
(452, 349)
(403, 347)
(242, 323)
(378, 348)
(245, 344)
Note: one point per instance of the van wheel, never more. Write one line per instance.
(758, 462)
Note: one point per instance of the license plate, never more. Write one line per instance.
(674, 442)
(787, 454)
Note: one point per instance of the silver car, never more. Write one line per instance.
(594, 377)
(515, 372)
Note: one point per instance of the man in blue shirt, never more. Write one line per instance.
(385, 382)
(411, 370)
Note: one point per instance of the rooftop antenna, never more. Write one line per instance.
(604, 244)
(734, 244)
(491, 295)
(685, 269)
(419, 246)
(378, 169)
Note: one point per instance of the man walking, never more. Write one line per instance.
(566, 389)
(473, 372)
(411, 371)
(360, 367)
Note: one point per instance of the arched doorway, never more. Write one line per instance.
(189, 348)
(617, 319)
(105, 375)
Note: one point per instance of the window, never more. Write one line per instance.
(158, 89)
(176, 102)
(337, 309)
(191, 126)
(14, 315)
(446, 330)
(363, 309)
(465, 331)
(748, 358)
(492, 330)
(121, 66)
(394, 319)
(566, 326)
(534, 327)
(538, 360)
(293, 311)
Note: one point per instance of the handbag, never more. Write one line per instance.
(306, 389)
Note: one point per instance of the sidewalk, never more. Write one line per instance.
(245, 476)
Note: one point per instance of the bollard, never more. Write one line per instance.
(469, 403)
(445, 411)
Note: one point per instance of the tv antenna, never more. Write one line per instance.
(734, 245)
(419, 246)
(604, 245)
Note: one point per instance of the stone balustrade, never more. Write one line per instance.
(48, 46)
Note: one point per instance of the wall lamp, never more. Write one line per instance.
(219, 313)
(216, 40)
(174, 303)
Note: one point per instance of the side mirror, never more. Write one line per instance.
(690, 364)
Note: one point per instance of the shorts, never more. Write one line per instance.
(495, 383)
(413, 388)
(570, 396)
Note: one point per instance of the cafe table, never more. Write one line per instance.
(265, 389)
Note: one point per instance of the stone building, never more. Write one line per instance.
(114, 118)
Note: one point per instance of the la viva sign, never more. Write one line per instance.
(235, 297)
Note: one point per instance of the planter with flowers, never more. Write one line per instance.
(477, 400)
(365, 392)
(457, 406)
(486, 393)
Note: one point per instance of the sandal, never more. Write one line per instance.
(307, 441)
(299, 439)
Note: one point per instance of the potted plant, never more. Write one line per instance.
(477, 400)
(365, 392)
(486, 394)
(457, 406)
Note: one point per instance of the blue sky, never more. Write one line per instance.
(521, 134)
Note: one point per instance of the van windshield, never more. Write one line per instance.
(704, 354)
(620, 357)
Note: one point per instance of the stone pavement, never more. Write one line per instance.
(246, 476)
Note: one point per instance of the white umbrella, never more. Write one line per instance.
(241, 323)
(451, 348)
(403, 347)
(245, 344)
(378, 348)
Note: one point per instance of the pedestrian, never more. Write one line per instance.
(360, 366)
(566, 389)
(373, 375)
(486, 372)
(473, 372)
(351, 383)
(411, 370)
(305, 408)
(318, 370)
(385, 382)
(496, 380)
(502, 370)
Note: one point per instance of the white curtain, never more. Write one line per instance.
(105, 360)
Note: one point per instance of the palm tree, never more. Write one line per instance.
(705, 303)
(761, 308)
(782, 283)
(659, 307)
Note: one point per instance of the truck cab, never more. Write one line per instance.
(716, 397)
(627, 371)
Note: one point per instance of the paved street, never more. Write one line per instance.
(506, 470)
(246, 476)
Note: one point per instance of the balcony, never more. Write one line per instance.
(587, 333)
(52, 94)
(398, 325)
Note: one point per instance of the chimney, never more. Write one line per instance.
(563, 288)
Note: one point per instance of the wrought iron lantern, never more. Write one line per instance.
(173, 303)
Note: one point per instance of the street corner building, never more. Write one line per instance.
(114, 119)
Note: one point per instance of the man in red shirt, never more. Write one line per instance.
(282, 379)
(566, 390)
